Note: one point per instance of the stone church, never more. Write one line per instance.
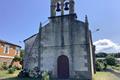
(63, 46)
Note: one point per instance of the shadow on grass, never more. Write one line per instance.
(16, 78)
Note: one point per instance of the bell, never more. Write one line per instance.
(66, 6)
(58, 7)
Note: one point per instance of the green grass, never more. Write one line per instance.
(105, 76)
(98, 76)
(116, 67)
(15, 78)
(5, 74)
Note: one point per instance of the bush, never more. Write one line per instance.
(18, 68)
(110, 60)
(3, 66)
(101, 65)
(118, 65)
(23, 73)
(45, 76)
(11, 70)
(17, 58)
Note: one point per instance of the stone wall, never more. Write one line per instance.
(73, 36)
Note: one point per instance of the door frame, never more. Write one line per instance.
(62, 74)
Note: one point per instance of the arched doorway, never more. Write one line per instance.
(63, 67)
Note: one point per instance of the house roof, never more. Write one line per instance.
(6, 42)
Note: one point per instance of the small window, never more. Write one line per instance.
(6, 49)
(17, 50)
(1, 45)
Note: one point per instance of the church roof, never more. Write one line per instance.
(36, 33)
(30, 37)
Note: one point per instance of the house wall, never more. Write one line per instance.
(8, 57)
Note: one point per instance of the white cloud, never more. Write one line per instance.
(106, 45)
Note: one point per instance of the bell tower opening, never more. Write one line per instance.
(61, 7)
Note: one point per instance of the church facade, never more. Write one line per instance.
(63, 46)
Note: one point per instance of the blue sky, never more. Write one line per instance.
(20, 19)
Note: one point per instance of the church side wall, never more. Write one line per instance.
(31, 50)
(81, 54)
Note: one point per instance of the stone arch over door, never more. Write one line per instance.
(63, 67)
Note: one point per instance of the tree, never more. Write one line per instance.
(101, 54)
(101, 65)
(21, 56)
(117, 55)
(110, 60)
(18, 58)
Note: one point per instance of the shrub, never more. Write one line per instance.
(110, 60)
(45, 76)
(18, 68)
(17, 58)
(11, 70)
(4, 66)
(118, 65)
(1, 66)
(101, 65)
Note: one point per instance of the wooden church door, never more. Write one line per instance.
(63, 67)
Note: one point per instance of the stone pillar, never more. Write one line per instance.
(52, 8)
(62, 7)
(71, 11)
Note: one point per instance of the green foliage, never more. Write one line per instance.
(101, 65)
(22, 55)
(110, 60)
(45, 76)
(116, 67)
(116, 55)
(3, 66)
(101, 54)
(17, 58)
(11, 70)
(18, 67)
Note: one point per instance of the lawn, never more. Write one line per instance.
(116, 67)
(98, 76)
(4, 74)
(105, 76)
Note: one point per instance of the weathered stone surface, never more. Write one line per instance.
(51, 47)
(63, 35)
